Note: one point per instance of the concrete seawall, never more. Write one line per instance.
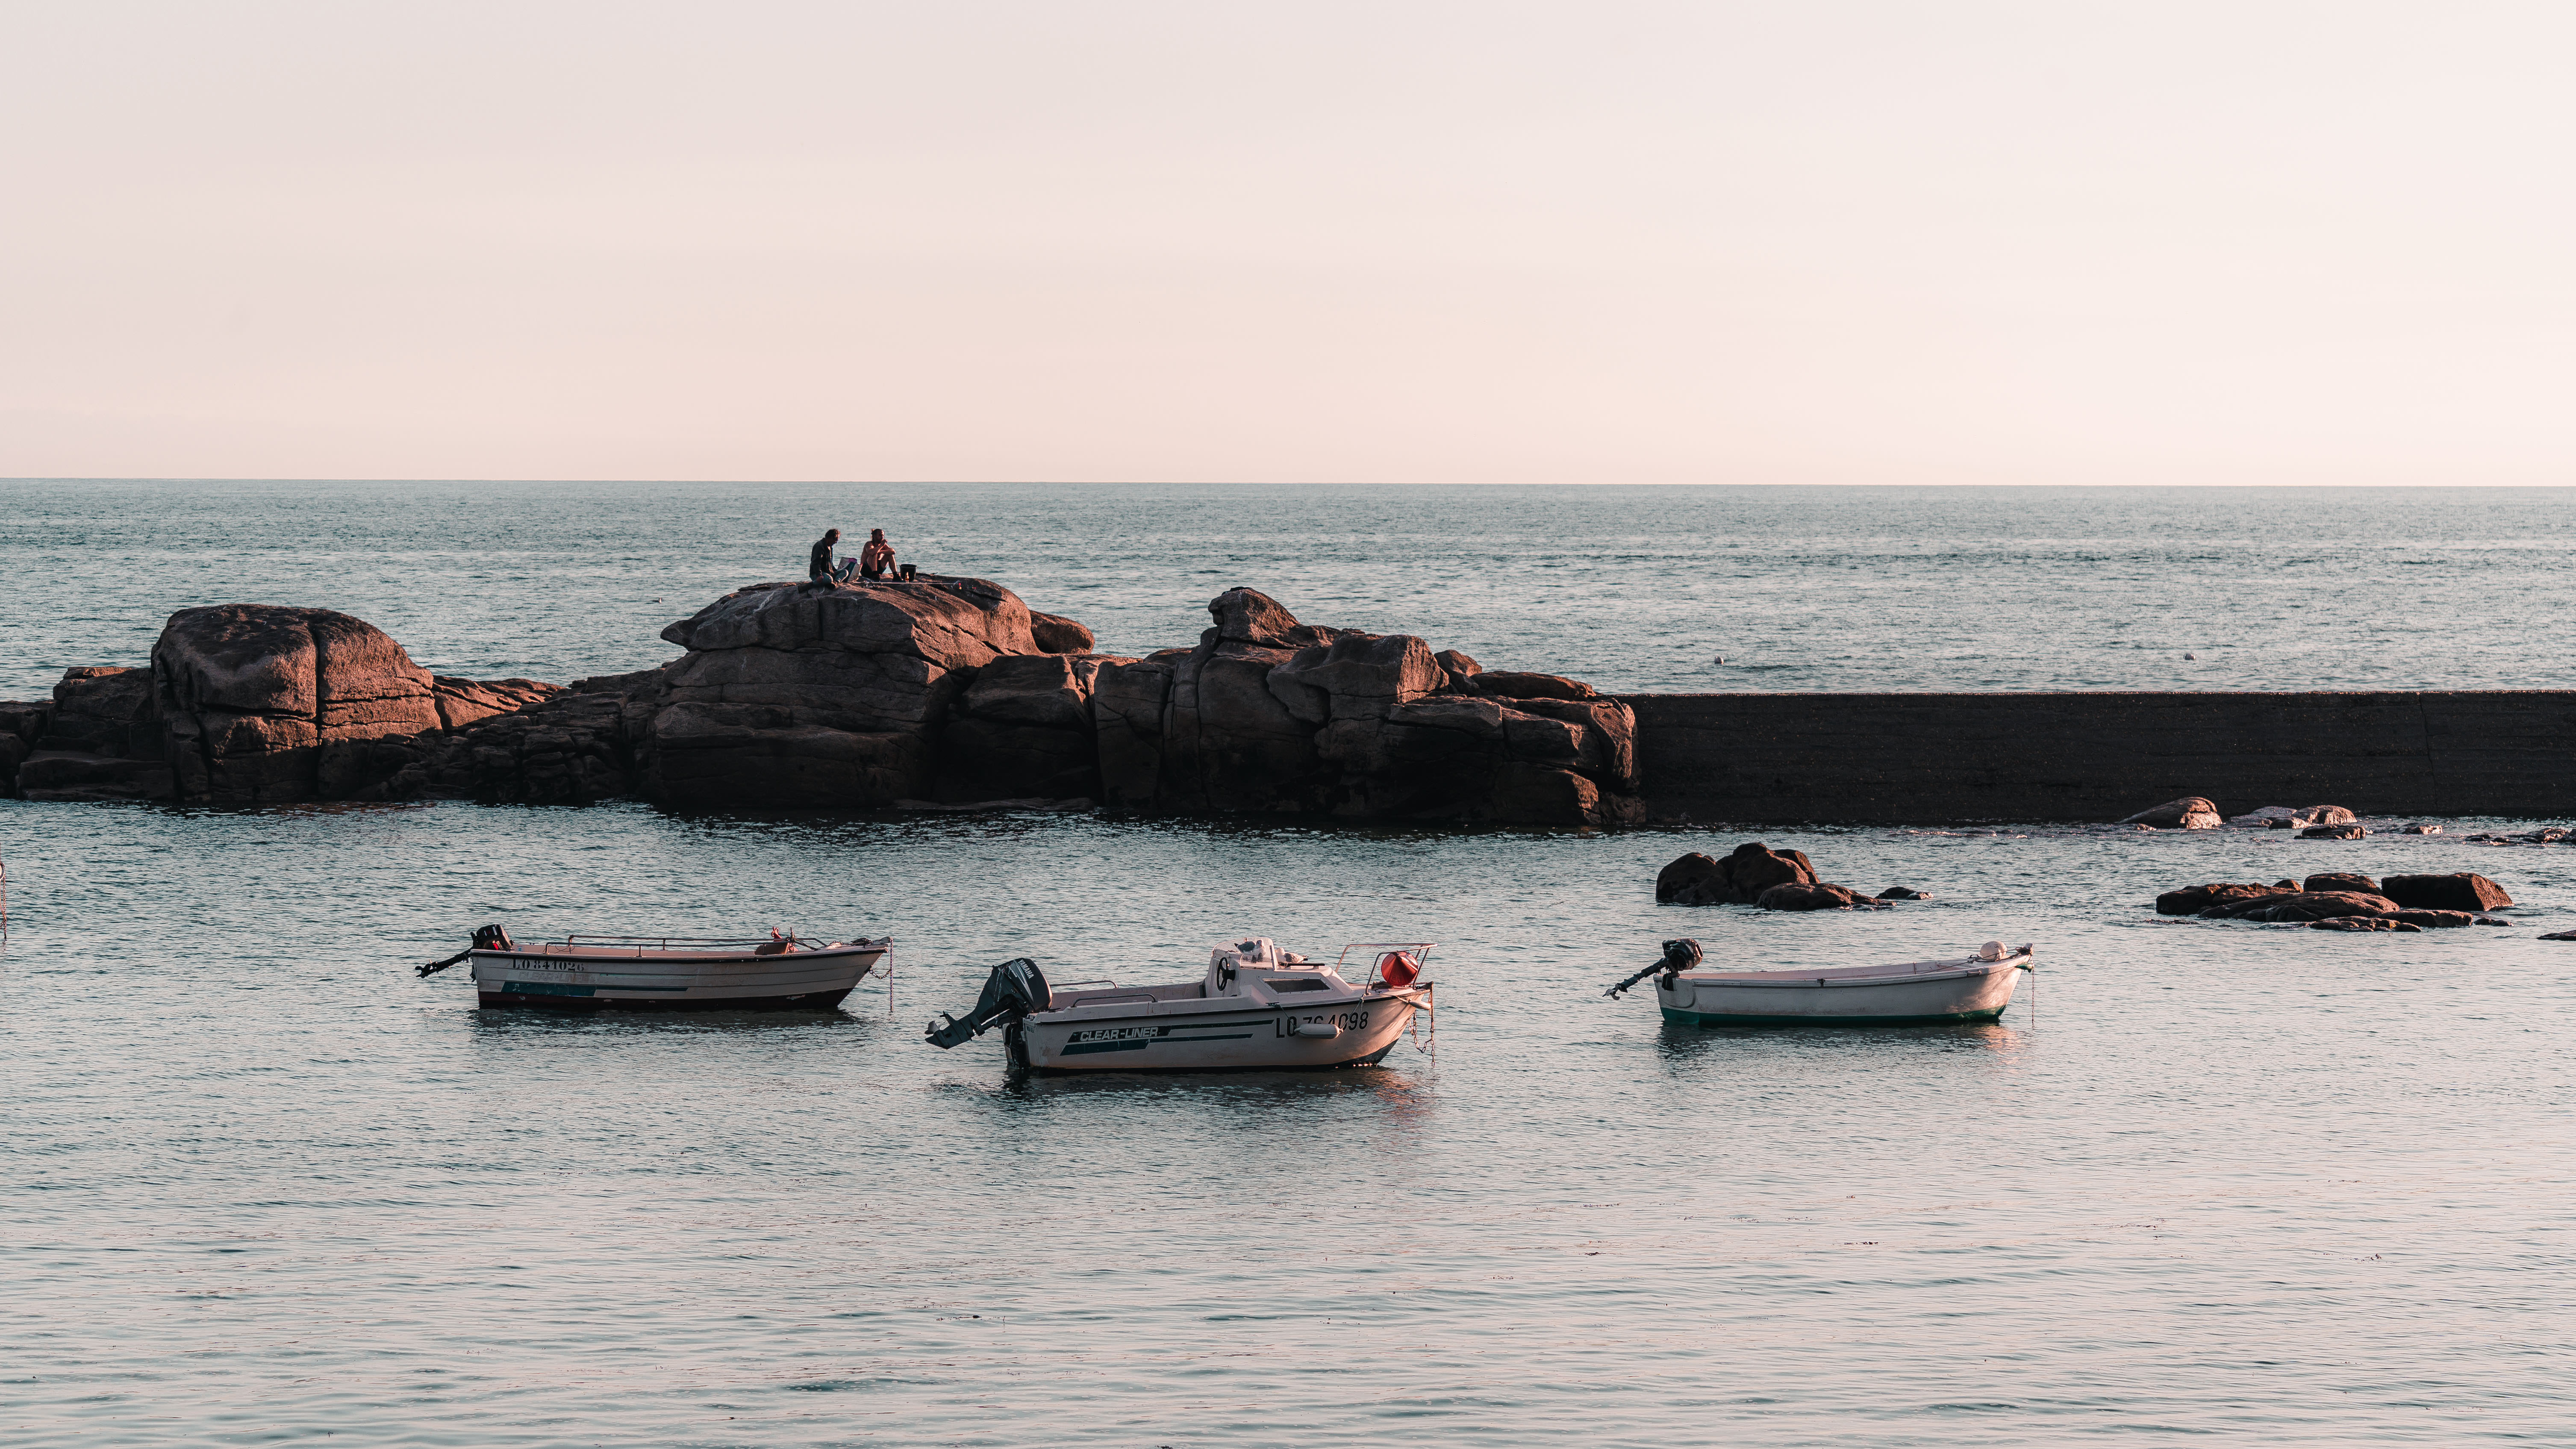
(1939, 758)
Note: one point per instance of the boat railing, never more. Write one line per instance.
(640, 944)
(1421, 956)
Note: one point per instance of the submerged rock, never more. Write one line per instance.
(2192, 900)
(2301, 906)
(1815, 896)
(2191, 812)
(2333, 832)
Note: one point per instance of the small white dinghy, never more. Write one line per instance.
(1976, 987)
(666, 973)
(1258, 1008)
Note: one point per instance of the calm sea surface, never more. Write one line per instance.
(261, 1185)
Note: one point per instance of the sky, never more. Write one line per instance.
(1828, 241)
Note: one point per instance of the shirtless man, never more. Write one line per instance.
(876, 557)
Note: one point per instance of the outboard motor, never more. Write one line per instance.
(1679, 956)
(486, 938)
(1015, 989)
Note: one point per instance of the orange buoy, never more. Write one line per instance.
(1398, 968)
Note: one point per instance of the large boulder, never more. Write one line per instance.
(1739, 878)
(98, 740)
(262, 703)
(2341, 880)
(2463, 891)
(2191, 812)
(793, 696)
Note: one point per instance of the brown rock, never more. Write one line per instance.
(2191, 812)
(66, 775)
(2337, 880)
(460, 702)
(102, 711)
(792, 696)
(2302, 906)
(1057, 634)
(1738, 879)
(2463, 891)
(2361, 923)
(258, 702)
(2437, 920)
(1513, 684)
(1023, 730)
(2192, 900)
(2333, 832)
(1811, 896)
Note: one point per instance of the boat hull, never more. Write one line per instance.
(1244, 1039)
(1970, 993)
(589, 981)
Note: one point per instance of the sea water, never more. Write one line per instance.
(261, 1184)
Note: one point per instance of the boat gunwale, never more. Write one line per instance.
(1199, 1006)
(1811, 980)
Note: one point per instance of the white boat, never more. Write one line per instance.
(1975, 987)
(666, 973)
(1258, 1008)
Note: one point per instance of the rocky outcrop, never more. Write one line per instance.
(2462, 891)
(2338, 880)
(792, 696)
(1754, 874)
(2361, 923)
(1270, 715)
(2188, 813)
(937, 690)
(1057, 634)
(1738, 879)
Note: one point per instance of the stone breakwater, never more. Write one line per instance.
(935, 691)
(951, 691)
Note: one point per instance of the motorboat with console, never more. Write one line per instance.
(1258, 1008)
(667, 973)
(1975, 987)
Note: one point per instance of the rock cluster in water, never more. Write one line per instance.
(934, 691)
(2344, 901)
(2196, 812)
(1753, 874)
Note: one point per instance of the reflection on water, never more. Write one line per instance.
(258, 1174)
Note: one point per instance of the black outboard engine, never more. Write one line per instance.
(1679, 956)
(1015, 989)
(486, 938)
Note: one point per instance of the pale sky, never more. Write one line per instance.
(1939, 242)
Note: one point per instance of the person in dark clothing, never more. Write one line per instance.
(819, 567)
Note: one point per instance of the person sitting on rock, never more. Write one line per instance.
(876, 557)
(819, 567)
